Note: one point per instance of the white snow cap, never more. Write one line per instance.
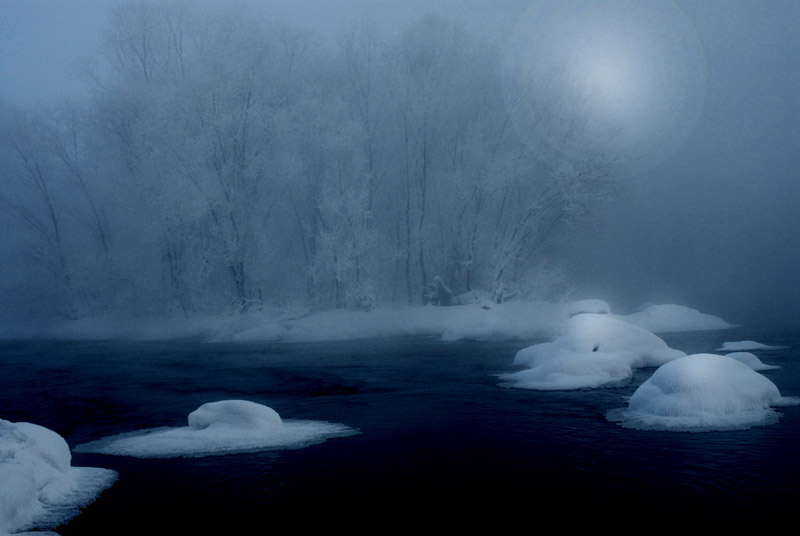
(594, 350)
(38, 486)
(670, 318)
(741, 346)
(702, 392)
(235, 414)
(220, 428)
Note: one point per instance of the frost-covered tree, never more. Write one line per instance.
(569, 164)
(434, 88)
(224, 161)
(30, 194)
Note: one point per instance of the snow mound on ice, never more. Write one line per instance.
(743, 346)
(751, 361)
(670, 318)
(571, 370)
(235, 414)
(38, 486)
(220, 428)
(702, 392)
(594, 350)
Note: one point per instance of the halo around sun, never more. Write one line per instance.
(633, 71)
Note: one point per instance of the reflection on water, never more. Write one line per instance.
(440, 440)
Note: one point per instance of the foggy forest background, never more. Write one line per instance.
(225, 162)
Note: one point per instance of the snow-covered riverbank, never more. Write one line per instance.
(478, 321)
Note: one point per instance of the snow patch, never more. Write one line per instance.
(751, 361)
(571, 370)
(742, 346)
(670, 318)
(594, 350)
(702, 392)
(39, 488)
(220, 428)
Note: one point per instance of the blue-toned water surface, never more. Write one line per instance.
(440, 441)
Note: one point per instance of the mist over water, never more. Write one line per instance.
(717, 224)
(437, 435)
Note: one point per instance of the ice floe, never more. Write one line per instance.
(594, 350)
(220, 428)
(743, 346)
(39, 488)
(702, 392)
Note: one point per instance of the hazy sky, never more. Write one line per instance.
(719, 223)
(715, 226)
(41, 40)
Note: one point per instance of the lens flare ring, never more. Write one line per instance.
(634, 69)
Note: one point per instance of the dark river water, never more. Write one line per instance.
(441, 444)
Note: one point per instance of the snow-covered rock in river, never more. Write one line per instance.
(702, 392)
(39, 488)
(670, 318)
(743, 346)
(571, 370)
(220, 428)
(589, 306)
(751, 361)
(594, 350)
(234, 414)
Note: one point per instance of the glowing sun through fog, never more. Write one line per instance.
(631, 72)
(611, 76)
